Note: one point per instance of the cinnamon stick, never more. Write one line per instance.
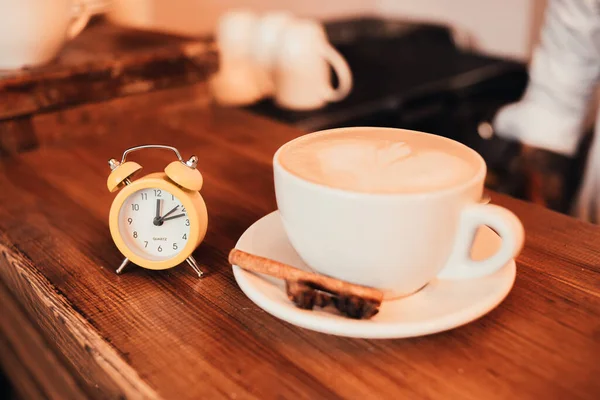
(254, 263)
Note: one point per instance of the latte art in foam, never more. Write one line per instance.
(376, 163)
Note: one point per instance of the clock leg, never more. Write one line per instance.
(190, 260)
(123, 265)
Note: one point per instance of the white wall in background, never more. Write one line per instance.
(197, 17)
(502, 27)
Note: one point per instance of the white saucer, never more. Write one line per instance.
(440, 306)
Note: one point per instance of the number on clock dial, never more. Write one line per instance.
(149, 237)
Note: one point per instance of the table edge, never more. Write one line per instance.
(33, 290)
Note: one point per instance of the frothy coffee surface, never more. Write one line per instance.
(378, 161)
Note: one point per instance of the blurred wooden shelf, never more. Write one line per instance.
(104, 62)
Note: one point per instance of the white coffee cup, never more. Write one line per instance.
(234, 35)
(397, 242)
(267, 37)
(238, 84)
(240, 80)
(266, 43)
(32, 32)
(301, 71)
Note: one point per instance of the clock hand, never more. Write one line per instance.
(173, 217)
(156, 220)
(162, 219)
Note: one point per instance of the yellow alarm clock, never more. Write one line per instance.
(158, 220)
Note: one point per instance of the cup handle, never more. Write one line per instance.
(81, 16)
(343, 72)
(505, 223)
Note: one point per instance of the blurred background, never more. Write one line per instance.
(507, 28)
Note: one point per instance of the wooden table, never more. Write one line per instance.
(71, 328)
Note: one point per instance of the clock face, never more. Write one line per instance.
(154, 224)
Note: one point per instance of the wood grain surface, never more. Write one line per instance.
(168, 334)
(104, 62)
